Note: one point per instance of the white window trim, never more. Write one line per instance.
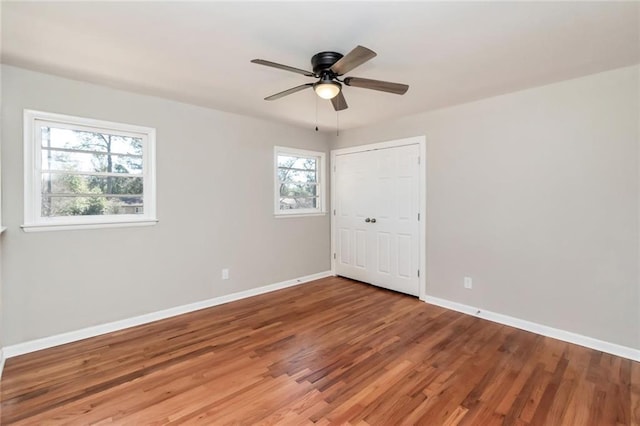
(33, 221)
(321, 209)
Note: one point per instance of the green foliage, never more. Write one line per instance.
(298, 177)
(76, 206)
(103, 161)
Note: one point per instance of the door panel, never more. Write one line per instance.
(352, 205)
(344, 246)
(361, 248)
(384, 252)
(385, 209)
(404, 194)
(404, 256)
(382, 185)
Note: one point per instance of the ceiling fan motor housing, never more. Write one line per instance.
(324, 60)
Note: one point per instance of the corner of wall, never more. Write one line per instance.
(1, 226)
(2, 359)
(638, 212)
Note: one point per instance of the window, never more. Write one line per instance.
(87, 173)
(299, 182)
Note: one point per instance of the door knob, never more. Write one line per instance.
(373, 220)
(368, 220)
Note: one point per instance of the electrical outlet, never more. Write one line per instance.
(225, 274)
(468, 283)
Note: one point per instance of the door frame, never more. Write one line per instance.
(421, 141)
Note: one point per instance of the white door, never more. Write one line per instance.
(376, 217)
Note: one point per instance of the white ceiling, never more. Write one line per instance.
(199, 52)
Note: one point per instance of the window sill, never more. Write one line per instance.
(2, 229)
(286, 215)
(75, 226)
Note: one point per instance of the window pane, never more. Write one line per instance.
(301, 163)
(298, 190)
(86, 162)
(292, 175)
(288, 203)
(53, 137)
(60, 183)
(299, 181)
(55, 206)
(87, 167)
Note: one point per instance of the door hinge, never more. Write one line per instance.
(418, 159)
(334, 168)
(334, 255)
(334, 212)
(418, 272)
(418, 217)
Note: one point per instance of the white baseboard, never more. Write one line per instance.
(1, 362)
(566, 336)
(73, 336)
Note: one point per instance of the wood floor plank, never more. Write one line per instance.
(634, 388)
(333, 351)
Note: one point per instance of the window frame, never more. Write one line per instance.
(33, 219)
(320, 184)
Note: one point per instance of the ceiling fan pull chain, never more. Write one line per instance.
(337, 123)
(316, 113)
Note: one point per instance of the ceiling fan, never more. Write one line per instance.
(327, 68)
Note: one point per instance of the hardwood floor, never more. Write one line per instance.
(329, 352)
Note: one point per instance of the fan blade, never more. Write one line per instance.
(356, 57)
(339, 102)
(282, 67)
(288, 92)
(383, 86)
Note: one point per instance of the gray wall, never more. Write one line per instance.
(215, 206)
(535, 196)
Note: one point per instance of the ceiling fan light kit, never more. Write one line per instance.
(327, 88)
(327, 68)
